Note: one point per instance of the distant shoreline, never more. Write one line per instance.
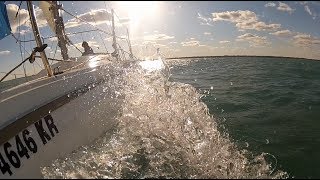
(242, 56)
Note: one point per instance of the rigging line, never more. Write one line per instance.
(89, 23)
(34, 69)
(100, 35)
(18, 10)
(20, 44)
(55, 51)
(80, 32)
(109, 28)
(19, 36)
(74, 45)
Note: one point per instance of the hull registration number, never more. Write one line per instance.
(24, 144)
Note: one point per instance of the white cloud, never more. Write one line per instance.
(124, 20)
(53, 39)
(23, 15)
(245, 20)
(235, 16)
(254, 40)
(25, 31)
(285, 7)
(207, 33)
(145, 43)
(190, 43)
(224, 42)
(204, 20)
(6, 52)
(305, 40)
(97, 16)
(41, 20)
(303, 2)
(270, 4)
(157, 37)
(282, 33)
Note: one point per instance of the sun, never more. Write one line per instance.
(138, 11)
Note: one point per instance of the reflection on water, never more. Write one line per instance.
(162, 135)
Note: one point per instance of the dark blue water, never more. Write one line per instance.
(265, 104)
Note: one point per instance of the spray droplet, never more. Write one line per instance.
(211, 87)
(231, 83)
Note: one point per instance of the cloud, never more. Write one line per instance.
(285, 7)
(53, 39)
(12, 9)
(204, 20)
(190, 43)
(97, 16)
(41, 20)
(6, 52)
(270, 4)
(303, 2)
(124, 20)
(25, 31)
(207, 33)
(23, 15)
(244, 20)
(305, 40)
(157, 37)
(282, 33)
(224, 42)
(254, 40)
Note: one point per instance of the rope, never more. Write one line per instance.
(109, 28)
(18, 11)
(55, 51)
(89, 23)
(74, 45)
(24, 68)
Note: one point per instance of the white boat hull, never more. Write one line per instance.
(71, 114)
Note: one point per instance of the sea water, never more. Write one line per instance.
(173, 129)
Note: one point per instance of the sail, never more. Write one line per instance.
(48, 14)
(5, 28)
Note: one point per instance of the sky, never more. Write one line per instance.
(191, 28)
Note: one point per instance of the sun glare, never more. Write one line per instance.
(138, 10)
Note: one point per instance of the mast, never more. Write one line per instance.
(130, 49)
(114, 44)
(38, 39)
(60, 30)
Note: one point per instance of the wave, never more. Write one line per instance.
(165, 131)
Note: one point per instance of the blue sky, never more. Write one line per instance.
(277, 28)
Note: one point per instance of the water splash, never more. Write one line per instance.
(162, 133)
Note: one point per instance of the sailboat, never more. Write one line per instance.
(68, 105)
